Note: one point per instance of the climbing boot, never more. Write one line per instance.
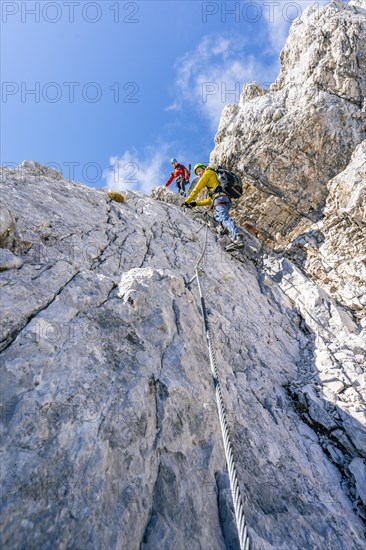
(221, 230)
(237, 242)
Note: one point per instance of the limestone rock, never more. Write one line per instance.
(288, 143)
(347, 191)
(300, 149)
(333, 58)
(337, 260)
(250, 91)
(164, 194)
(109, 426)
(337, 341)
(7, 225)
(30, 168)
(8, 260)
(358, 3)
(358, 469)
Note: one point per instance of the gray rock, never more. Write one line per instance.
(251, 90)
(8, 260)
(338, 262)
(7, 226)
(300, 149)
(166, 195)
(358, 4)
(358, 469)
(30, 168)
(110, 431)
(338, 339)
(315, 409)
(226, 511)
(109, 425)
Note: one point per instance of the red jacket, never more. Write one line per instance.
(178, 170)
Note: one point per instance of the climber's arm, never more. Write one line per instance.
(197, 188)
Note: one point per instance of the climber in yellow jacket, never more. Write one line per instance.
(220, 200)
(207, 179)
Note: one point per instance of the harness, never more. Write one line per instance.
(222, 202)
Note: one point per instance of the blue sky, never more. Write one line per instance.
(121, 87)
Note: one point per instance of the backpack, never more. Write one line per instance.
(230, 183)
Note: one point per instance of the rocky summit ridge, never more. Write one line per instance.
(110, 434)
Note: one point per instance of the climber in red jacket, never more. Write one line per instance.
(181, 174)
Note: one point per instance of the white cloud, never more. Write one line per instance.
(213, 74)
(133, 172)
(172, 107)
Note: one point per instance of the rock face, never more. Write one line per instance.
(110, 432)
(333, 251)
(290, 141)
(293, 138)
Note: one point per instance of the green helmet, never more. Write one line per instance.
(199, 165)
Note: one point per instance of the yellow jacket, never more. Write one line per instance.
(209, 180)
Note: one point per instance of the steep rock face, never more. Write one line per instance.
(333, 251)
(110, 430)
(289, 141)
(333, 58)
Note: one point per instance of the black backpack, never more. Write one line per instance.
(230, 183)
